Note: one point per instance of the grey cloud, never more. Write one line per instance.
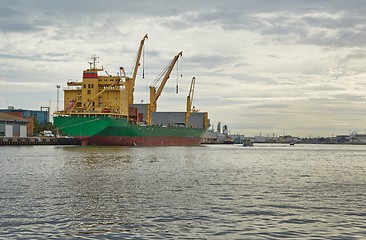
(288, 21)
(255, 79)
(15, 20)
(326, 87)
(239, 65)
(359, 54)
(17, 26)
(47, 57)
(340, 38)
(315, 31)
(343, 21)
(270, 105)
(212, 61)
(349, 97)
(7, 12)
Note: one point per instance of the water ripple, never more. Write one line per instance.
(211, 192)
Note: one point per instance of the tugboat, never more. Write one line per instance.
(247, 143)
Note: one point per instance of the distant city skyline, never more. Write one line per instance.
(260, 66)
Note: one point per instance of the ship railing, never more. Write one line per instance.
(73, 83)
(176, 125)
(73, 87)
(62, 113)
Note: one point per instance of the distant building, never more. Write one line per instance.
(260, 139)
(40, 116)
(342, 138)
(12, 126)
(218, 136)
(358, 138)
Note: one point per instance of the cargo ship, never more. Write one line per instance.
(100, 110)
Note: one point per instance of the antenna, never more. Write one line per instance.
(58, 95)
(92, 63)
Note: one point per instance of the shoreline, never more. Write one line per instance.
(16, 141)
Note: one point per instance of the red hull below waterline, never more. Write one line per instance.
(140, 141)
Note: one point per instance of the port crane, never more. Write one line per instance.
(155, 94)
(190, 100)
(130, 81)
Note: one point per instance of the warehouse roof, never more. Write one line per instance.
(9, 117)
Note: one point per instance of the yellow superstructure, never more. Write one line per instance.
(107, 95)
(96, 95)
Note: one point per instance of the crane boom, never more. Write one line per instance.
(137, 64)
(155, 94)
(190, 100)
(130, 81)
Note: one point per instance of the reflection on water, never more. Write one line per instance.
(210, 192)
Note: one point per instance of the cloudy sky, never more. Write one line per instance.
(261, 67)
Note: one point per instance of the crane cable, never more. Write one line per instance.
(181, 75)
(145, 58)
(143, 62)
(176, 83)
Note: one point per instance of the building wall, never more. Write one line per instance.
(260, 139)
(30, 127)
(8, 130)
(2, 129)
(16, 129)
(23, 131)
(40, 116)
(13, 129)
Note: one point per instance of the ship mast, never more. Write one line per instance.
(92, 63)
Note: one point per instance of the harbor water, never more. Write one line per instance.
(207, 192)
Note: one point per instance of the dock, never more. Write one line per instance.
(17, 141)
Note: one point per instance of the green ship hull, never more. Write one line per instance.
(102, 130)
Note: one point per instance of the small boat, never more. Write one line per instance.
(247, 143)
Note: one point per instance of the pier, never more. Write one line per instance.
(7, 141)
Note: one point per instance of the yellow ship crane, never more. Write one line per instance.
(190, 100)
(155, 94)
(130, 81)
